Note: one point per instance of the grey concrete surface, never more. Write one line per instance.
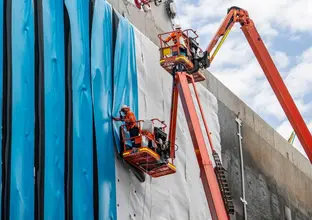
(150, 24)
(256, 123)
(272, 181)
(276, 174)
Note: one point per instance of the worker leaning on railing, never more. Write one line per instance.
(178, 40)
(130, 122)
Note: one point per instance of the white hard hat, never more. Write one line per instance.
(177, 26)
(124, 106)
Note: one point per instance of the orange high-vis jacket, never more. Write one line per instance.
(129, 120)
(175, 36)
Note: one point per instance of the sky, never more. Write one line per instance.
(286, 29)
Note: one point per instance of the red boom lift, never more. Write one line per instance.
(185, 69)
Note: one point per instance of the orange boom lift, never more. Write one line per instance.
(186, 70)
(184, 61)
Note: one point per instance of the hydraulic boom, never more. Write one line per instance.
(241, 16)
(213, 179)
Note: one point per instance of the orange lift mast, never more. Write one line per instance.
(213, 179)
(208, 176)
(236, 14)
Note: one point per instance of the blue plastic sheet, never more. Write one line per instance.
(101, 68)
(54, 90)
(78, 11)
(125, 75)
(1, 81)
(23, 110)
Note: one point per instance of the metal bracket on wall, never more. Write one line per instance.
(240, 138)
(171, 9)
(243, 201)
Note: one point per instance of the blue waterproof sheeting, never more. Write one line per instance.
(54, 90)
(114, 83)
(78, 11)
(1, 93)
(101, 68)
(23, 111)
(125, 75)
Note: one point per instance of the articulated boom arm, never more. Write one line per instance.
(236, 14)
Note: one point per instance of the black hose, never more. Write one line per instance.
(196, 67)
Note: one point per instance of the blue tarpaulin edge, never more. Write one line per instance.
(82, 199)
(23, 108)
(54, 91)
(1, 92)
(125, 75)
(101, 69)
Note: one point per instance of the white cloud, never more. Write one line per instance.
(243, 79)
(295, 38)
(236, 66)
(285, 131)
(209, 28)
(295, 15)
(306, 56)
(302, 8)
(281, 59)
(299, 79)
(233, 53)
(266, 103)
(267, 30)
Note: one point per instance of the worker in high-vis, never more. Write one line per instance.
(178, 39)
(127, 116)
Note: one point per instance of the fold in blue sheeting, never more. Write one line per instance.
(125, 75)
(1, 92)
(54, 91)
(101, 68)
(23, 110)
(82, 199)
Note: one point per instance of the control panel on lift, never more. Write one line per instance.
(149, 151)
(180, 48)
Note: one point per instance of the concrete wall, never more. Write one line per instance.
(150, 24)
(276, 174)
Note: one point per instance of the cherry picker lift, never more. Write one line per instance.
(204, 59)
(185, 68)
(156, 154)
(152, 153)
